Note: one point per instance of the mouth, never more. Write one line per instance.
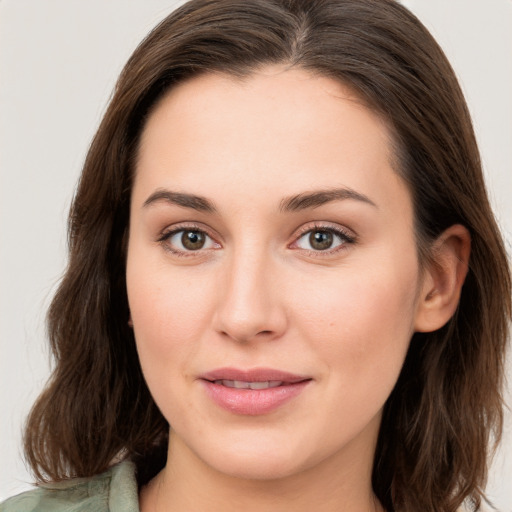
(231, 376)
(252, 392)
(240, 384)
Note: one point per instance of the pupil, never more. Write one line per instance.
(193, 240)
(320, 240)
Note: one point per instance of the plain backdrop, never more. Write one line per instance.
(59, 60)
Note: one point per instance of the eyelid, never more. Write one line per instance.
(173, 229)
(344, 233)
(326, 226)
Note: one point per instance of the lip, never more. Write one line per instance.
(253, 402)
(253, 375)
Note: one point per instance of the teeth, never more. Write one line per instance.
(261, 385)
(240, 384)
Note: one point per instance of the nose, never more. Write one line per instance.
(250, 303)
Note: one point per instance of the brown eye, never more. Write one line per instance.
(321, 240)
(324, 239)
(187, 241)
(193, 240)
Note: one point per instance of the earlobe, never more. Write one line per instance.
(443, 279)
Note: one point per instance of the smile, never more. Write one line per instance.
(252, 392)
(240, 384)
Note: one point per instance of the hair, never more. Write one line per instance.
(445, 411)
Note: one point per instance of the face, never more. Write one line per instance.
(272, 271)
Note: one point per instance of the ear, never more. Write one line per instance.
(443, 279)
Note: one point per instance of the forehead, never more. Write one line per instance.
(274, 97)
(276, 131)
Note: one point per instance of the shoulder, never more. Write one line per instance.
(112, 491)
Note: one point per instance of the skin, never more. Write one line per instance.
(258, 294)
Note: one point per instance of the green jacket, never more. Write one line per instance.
(113, 491)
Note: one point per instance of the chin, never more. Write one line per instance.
(256, 466)
(266, 458)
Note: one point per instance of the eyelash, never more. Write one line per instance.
(345, 237)
(167, 235)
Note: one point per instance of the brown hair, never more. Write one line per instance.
(433, 446)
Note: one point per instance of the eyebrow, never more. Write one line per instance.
(192, 201)
(299, 202)
(318, 198)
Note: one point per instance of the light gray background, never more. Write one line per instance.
(59, 60)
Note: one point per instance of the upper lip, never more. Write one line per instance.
(253, 375)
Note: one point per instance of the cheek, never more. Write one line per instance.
(169, 318)
(363, 321)
(169, 311)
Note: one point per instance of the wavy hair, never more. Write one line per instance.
(434, 442)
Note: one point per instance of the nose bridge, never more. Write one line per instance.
(249, 304)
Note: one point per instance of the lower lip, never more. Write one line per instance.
(252, 402)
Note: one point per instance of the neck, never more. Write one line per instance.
(341, 482)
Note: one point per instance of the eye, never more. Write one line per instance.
(187, 240)
(323, 239)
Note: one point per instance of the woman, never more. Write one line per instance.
(286, 288)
